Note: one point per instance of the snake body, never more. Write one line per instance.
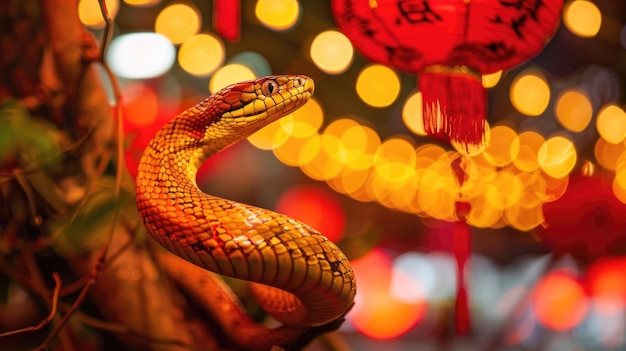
(303, 278)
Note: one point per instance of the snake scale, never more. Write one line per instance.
(304, 279)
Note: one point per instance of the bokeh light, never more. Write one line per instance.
(308, 119)
(279, 15)
(582, 18)
(573, 110)
(229, 74)
(377, 313)
(201, 54)
(557, 156)
(378, 85)
(178, 22)
(141, 104)
(611, 123)
(607, 282)
(559, 301)
(503, 146)
(140, 55)
(490, 80)
(607, 154)
(332, 52)
(530, 93)
(412, 113)
(142, 3)
(273, 135)
(395, 160)
(316, 207)
(90, 14)
(530, 143)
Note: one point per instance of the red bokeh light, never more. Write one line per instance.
(559, 301)
(141, 105)
(144, 113)
(377, 313)
(606, 279)
(316, 207)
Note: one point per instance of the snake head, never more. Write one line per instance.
(253, 104)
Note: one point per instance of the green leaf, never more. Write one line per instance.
(26, 139)
(86, 229)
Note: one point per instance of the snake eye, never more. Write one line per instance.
(269, 87)
(298, 82)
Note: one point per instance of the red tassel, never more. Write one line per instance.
(454, 105)
(227, 18)
(462, 248)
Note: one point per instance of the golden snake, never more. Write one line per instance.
(306, 280)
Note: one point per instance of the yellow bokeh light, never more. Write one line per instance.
(278, 14)
(178, 22)
(523, 218)
(620, 177)
(339, 126)
(611, 123)
(365, 159)
(307, 120)
(322, 165)
(272, 135)
(378, 85)
(90, 14)
(509, 184)
(332, 52)
(289, 152)
(490, 80)
(555, 187)
(310, 149)
(350, 143)
(608, 154)
(332, 138)
(201, 55)
(530, 93)
(582, 18)
(619, 191)
(573, 110)
(482, 214)
(229, 74)
(142, 3)
(395, 160)
(534, 189)
(437, 204)
(412, 113)
(530, 143)
(557, 156)
(503, 146)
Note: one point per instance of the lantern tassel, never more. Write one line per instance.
(454, 105)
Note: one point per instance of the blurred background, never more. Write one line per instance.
(547, 193)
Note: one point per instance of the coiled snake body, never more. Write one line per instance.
(306, 280)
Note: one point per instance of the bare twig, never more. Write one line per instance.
(76, 285)
(30, 198)
(93, 275)
(48, 319)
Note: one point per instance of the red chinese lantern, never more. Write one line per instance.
(449, 44)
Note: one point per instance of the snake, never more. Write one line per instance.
(299, 277)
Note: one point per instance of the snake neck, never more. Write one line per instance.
(235, 239)
(187, 141)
